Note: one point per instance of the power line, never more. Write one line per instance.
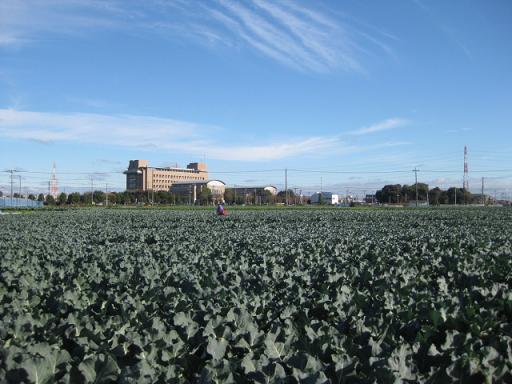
(345, 172)
(94, 173)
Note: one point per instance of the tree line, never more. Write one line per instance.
(122, 198)
(204, 197)
(400, 194)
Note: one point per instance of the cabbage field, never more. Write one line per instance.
(290, 296)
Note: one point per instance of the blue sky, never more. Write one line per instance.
(349, 95)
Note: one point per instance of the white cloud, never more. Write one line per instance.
(381, 126)
(274, 151)
(155, 133)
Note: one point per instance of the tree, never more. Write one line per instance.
(463, 196)
(74, 198)
(99, 197)
(40, 197)
(266, 197)
(434, 196)
(86, 198)
(229, 195)
(163, 197)
(30, 197)
(205, 196)
(467, 197)
(1, 193)
(281, 196)
(125, 198)
(408, 192)
(63, 198)
(50, 200)
(390, 193)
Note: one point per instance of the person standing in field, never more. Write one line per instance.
(221, 210)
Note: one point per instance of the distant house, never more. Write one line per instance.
(191, 189)
(328, 198)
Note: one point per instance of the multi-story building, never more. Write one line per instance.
(141, 177)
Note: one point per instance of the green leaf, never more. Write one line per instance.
(217, 348)
(38, 371)
(274, 349)
(99, 369)
(248, 364)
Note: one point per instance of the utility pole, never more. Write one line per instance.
(92, 191)
(286, 186)
(106, 195)
(416, 178)
(19, 191)
(11, 171)
(483, 198)
(455, 189)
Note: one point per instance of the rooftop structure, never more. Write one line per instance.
(141, 177)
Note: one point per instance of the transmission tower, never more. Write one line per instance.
(54, 188)
(466, 179)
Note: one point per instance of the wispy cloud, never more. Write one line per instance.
(291, 34)
(295, 36)
(155, 133)
(381, 126)
(92, 128)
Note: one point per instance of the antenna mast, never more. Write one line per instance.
(54, 188)
(466, 179)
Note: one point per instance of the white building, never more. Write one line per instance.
(328, 198)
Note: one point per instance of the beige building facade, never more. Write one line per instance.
(141, 177)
